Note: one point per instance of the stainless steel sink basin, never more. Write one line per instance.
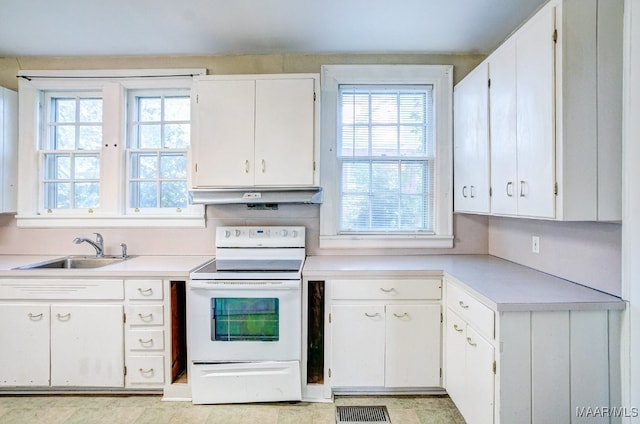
(72, 262)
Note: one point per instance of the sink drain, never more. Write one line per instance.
(362, 415)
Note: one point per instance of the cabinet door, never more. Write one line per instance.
(471, 142)
(222, 154)
(479, 379)
(87, 347)
(24, 337)
(284, 133)
(357, 343)
(412, 346)
(455, 378)
(535, 116)
(502, 118)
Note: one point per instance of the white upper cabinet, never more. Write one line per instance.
(471, 142)
(522, 121)
(502, 118)
(254, 130)
(8, 150)
(555, 115)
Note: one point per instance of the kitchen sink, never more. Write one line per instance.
(73, 262)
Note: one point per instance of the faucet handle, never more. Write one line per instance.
(124, 250)
(99, 238)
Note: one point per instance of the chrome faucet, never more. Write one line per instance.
(98, 244)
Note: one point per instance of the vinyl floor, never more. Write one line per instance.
(150, 409)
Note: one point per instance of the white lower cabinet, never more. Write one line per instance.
(84, 333)
(145, 333)
(24, 337)
(469, 370)
(86, 345)
(385, 333)
(530, 366)
(61, 333)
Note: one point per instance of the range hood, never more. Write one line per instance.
(256, 195)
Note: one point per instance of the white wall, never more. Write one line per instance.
(588, 253)
(471, 235)
(471, 232)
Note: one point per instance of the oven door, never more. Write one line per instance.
(233, 321)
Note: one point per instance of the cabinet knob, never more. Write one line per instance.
(522, 188)
(510, 189)
(146, 318)
(64, 317)
(145, 292)
(148, 372)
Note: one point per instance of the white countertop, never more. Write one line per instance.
(499, 284)
(170, 266)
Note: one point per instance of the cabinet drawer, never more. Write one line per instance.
(475, 313)
(145, 369)
(145, 340)
(143, 289)
(65, 289)
(145, 315)
(387, 289)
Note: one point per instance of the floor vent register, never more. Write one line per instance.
(362, 415)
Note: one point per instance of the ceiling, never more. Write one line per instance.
(220, 27)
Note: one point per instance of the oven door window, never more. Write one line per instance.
(245, 319)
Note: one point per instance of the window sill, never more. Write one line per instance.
(353, 241)
(71, 221)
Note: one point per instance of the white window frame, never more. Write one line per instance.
(441, 78)
(131, 99)
(113, 84)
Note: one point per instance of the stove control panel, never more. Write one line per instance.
(267, 236)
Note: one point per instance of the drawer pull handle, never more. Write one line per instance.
(470, 342)
(146, 343)
(36, 317)
(403, 315)
(372, 315)
(148, 372)
(64, 317)
(463, 305)
(387, 290)
(458, 329)
(246, 166)
(147, 318)
(145, 292)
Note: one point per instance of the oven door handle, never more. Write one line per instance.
(280, 285)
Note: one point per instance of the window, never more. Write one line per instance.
(159, 139)
(70, 154)
(386, 144)
(106, 148)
